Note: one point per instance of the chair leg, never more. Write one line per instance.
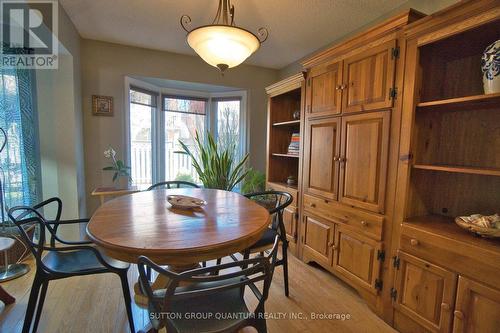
(128, 300)
(33, 300)
(39, 308)
(260, 320)
(261, 325)
(246, 255)
(285, 267)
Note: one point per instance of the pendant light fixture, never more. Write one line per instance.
(222, 44)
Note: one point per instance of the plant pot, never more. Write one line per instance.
(122, 183)
(490, 65)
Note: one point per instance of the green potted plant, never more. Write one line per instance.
(121, 171)
(216, 167)
(255, 181)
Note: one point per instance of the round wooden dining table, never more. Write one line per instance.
(146, 224)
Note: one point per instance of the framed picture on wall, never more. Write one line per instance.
(102, 105)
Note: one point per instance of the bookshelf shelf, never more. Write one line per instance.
(288, 123)
(285, 155)
(459, 169)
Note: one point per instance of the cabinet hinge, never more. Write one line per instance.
(395, 52)
(381, 255)
(379, 284)
(406, 157)
(393, 92)
(394, 294)
(396, 262)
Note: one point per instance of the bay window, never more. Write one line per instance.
(154, 132)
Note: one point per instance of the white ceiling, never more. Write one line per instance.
(296, 27)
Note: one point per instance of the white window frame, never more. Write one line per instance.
(158, 119)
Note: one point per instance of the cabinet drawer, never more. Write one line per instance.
(368, 224)
(465, 258)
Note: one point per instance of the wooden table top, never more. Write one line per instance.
(144, 223)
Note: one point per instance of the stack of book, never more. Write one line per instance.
(293, 148)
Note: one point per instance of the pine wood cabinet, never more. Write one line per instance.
(322, 150)
(477, 308)
(357, 258)
(365, 140)
(324, 88)
(318, 240)
(361, 82)
(425, 292)
(369, 78)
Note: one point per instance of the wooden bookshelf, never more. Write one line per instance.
(285, 98)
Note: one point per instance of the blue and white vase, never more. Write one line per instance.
(490, 65)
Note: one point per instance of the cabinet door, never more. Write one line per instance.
(368, 78)
(477, 308)
(363, 171)
(290, 222)
(425, 292)
(318, 240)
(321, 167)
(323, 93)
(356, 257)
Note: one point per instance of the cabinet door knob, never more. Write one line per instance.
(331, 244)
(339, 87)
(459, 315)
(313, 205)
(445, 306)
(414, 242)
(342, 159)
(336, 158)
(364, 223)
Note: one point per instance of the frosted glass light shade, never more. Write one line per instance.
(223, 46)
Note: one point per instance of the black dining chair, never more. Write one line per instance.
(216, 298)
(275, 202)
(67, 259)
(172, 184)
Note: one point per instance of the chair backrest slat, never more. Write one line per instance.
(172, 184)
(209, 281)
(275, 202)
(23, 216)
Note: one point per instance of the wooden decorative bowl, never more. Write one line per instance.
(185, 202)
(485, 226)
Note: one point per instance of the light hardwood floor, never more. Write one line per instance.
(94, 304)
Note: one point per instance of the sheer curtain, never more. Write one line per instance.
(20, 158)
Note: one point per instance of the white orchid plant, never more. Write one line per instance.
(118, 166)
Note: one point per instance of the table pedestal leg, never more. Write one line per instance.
(6, 297)
(160, 282)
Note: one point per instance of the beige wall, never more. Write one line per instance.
(425, 6)
(60, 127)
(104, 67)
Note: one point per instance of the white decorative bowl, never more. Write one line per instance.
(185, 202)
(490, 65)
